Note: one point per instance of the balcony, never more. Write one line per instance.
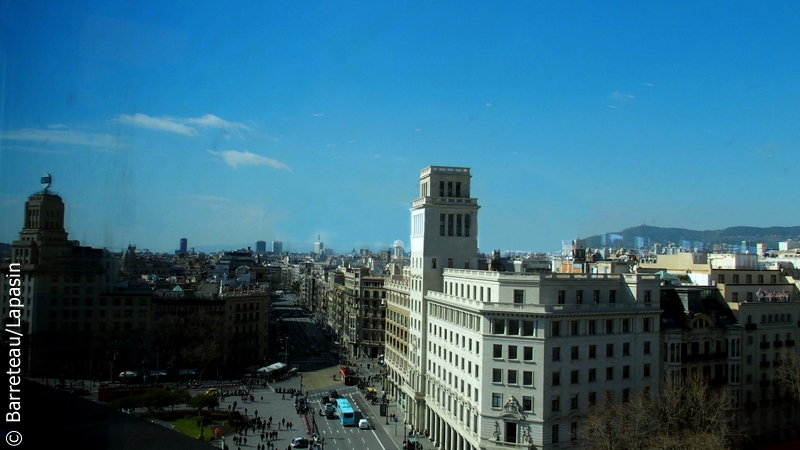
(777, 344)
(764, 364)
(790, 343)
(750, 327)
(777, 363)
(764, 383)
(765, 345)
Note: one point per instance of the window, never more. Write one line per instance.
(609, 350)
(554, 404)
(626, 325)
(592, 351)
(562, 295)
(596, 296)
(609, 326)
(626, 372)
(646, 347)
(497, 351)
(760, 279)
(497, 400)
(647, 296)
(556, 328)
(527, 378)
(573, 377)
(458, 224)
(466, 224)
(612, 296)
(592, 327)
(626, 349)
(527, 403)
(441, 224)
(556, 353)
(512, 352)
(646, 371)
(499, 326)
(556, 378)
(433, 263)
(579, 296)
(527, 353)
(519, 295)
(721, 278)
(511, 377)
(626, 395)
(497, 375)
(609, 373)
(646, 324)
(554, 430)
(527, 328)
(592, 398)
(748, 279)
(449, 224)
(574, 352)
(592, 375)
(735, 278)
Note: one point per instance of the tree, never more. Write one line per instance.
(180, 397)
(685, 414)
(787, 374)
(201, 401)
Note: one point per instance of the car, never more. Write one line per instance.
(334, 394)
(363, 424)
(299, 441)
(213, 391)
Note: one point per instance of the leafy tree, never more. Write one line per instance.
(180, 397)
(201, 401)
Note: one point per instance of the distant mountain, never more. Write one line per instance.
(733, 236)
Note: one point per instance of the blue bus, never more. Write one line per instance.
(346, 414)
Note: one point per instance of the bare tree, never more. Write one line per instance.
(685, 414)
(787, 374)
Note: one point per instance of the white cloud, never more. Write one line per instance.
(619, 95)
(212, 121)
(488, 104)
(186, 126)
(154, 123)
(58, 125)
(60, 136)
(612, 106)
(649, 84)
(318, 115)
(37, 150)
(235, 159)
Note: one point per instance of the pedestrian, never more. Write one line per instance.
(262, 399)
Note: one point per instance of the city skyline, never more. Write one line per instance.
(227, 126)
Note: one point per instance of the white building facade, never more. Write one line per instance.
(501, 359)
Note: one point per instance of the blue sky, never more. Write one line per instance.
(292, 120)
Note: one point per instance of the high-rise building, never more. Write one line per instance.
(493, 359)
(261, 247)
(319, 247)
(184, 245)
(55, 289)
(277, 247)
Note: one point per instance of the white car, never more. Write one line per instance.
(363, 424)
